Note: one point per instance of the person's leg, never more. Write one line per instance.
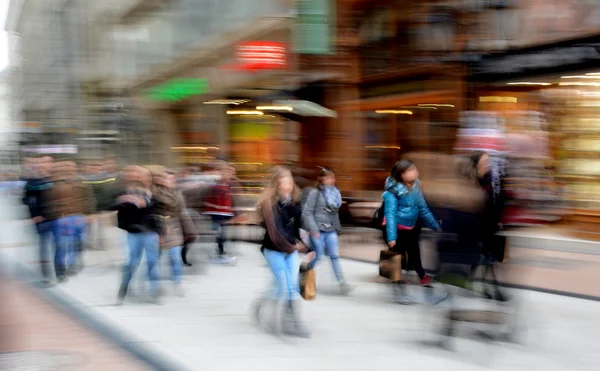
(60, 255)
(276, 262)
(80, 240)
(176, 264)
(217, 227)
(414, 251)
(135, 249)
(292, 271)
(318, 246)
(152, 249)
(332, 249)
(44, 234)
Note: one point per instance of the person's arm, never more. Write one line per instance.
(425, 214)
(308, 213)
(89, 200)
(188, 226)
(390, 202)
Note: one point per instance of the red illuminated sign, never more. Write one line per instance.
(261, 55)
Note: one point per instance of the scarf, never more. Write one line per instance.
(333, 197)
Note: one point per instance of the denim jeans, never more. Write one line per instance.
(71, 236)
(138, 243)
(327, 243)
(286, 270)
(176, 263)
(217, 226)
(48, 238)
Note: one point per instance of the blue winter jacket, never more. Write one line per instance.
(404, 207)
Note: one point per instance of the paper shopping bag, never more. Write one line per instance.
(308, 285)
(390, 265)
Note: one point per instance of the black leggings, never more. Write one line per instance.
(407, 243)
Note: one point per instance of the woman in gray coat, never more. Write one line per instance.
(321, 219)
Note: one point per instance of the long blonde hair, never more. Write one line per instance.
(266, 210)
(270, 194)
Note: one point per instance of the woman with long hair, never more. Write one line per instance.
(320, 218)
(136, 215)
(405, 206)
(281, 212)
(177, 224)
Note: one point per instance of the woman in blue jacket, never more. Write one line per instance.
(404, 207)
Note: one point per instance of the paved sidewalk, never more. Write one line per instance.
(37, 336)
(210, 328)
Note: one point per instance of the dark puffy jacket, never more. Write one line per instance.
(288, 221)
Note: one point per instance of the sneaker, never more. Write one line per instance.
(224, 260)
(180, 290)
(425, 280)
(404, 299)
(121, 296)
(346, 288)
(157, 300)
(61, 279)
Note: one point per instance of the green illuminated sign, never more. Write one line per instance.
(178, 89)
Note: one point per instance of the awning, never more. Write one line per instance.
(306, 108)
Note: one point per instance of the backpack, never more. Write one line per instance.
(378, 221)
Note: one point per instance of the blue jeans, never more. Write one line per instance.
(176, 263)
(71, 232)
(217, 226)
(46, 233)
(327, 243)
(139, 243)
(286, 270)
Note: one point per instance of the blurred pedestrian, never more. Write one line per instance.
(177, 224)
(101, 178)
(68, 202)
(136, 215)
(37, 184)
(219, 206)
(405, 206)
(281, 211)
(481, 174)
(321, 219)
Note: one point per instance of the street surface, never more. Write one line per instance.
(210, 328)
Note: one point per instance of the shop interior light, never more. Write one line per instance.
(530, 83)
(493, 99)
(579, 84)
(275, 108)
(227, 101)
(419, 107)
(382, 147)
(395, 112)
(251, 113)
(436, 105)
(581, 77)
(194, 148)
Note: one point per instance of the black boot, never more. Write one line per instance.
(184, 252)
(293, 326)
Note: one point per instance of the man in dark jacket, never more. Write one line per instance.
(36, 189)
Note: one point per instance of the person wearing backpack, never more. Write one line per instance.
(321, 219)
(404, 207)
